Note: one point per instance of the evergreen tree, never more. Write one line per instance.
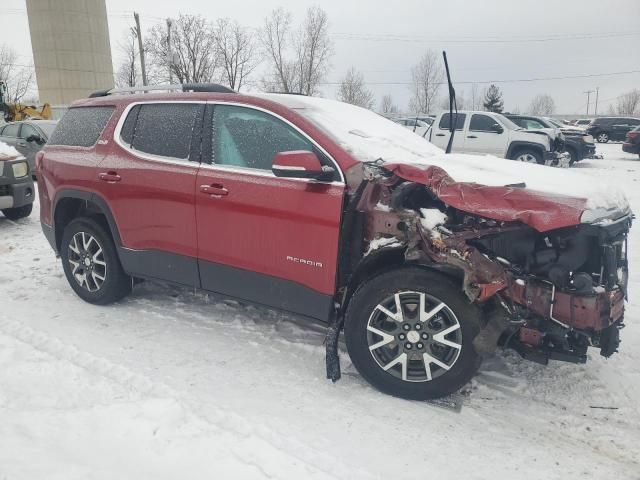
(493, 100)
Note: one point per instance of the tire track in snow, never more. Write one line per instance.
(274, 458)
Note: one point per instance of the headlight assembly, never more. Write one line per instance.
(20, 169)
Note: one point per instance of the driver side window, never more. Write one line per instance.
(248, 138)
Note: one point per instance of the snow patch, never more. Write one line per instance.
(432, 217)
(7, 152)
(378, 243)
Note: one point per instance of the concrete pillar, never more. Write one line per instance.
(71, 49)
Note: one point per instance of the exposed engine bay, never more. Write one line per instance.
(548, 293)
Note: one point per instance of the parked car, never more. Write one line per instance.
(332, 212)
(632, 142)
(494, 134)
(583, 122)
(417, 125)
(604, 129)
(28, 137)
(16, 186)
(577, 143)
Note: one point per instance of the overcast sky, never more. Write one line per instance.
(485, 40)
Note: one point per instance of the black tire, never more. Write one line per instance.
(602, 137)
(363, 308)
(531, 153)
(116, 284)
(18, 212)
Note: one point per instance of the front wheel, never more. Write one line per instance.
(602, 137)
(91, 263)
(18, 212)
(529, 156)
(409, 332)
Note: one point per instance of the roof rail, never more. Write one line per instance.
(184, 87)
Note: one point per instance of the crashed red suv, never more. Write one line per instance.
(428, 261)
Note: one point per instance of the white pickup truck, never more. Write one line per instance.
(488, 133)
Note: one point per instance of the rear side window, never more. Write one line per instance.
(164, 129)
(81, 126)
(445, 121)
(11, 130)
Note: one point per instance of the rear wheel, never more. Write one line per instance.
(528, 156)
(409, 332)
(602, 137)
(91, 263)
(18, 212)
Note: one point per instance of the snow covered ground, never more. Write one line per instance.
(172, 383)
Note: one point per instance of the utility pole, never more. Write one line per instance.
(139, 35)
(169, 50)
(588, 92)
(597, 95)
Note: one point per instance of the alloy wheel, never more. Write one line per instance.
(603, 138)
(527, 157)
(414, 336)
(87, 261)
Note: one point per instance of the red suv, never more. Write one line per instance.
(332, 212)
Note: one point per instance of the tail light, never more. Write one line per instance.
(632, 135)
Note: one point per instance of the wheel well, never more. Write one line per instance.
(68, 209)
(390, 259)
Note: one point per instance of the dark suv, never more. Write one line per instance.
(332, 212)
(604, 129)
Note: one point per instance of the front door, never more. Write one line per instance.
(149, 182)
(270, 240)
(482, 138)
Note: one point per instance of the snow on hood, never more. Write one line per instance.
(7, 152)
(368, 136)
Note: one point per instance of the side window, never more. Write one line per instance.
(11, 130)
(248, 138)
(126, 132)
(81, 126)
(633, 122)
(481, 123)
(445, 121)
(27, 131)
(164, 129)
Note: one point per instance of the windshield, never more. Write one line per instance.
(554, 123)
(508, 123)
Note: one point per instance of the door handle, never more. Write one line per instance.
(471, 136)
(439, 134)
(215, 190)
(110, 177)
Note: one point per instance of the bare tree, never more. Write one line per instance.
(427, 76)
(353, 90)
(542, 104)
(387, 107)
(461, 101)
(18, 79)
(194, 56)
(236, 49)
(475, 102)
(127, 73)
(299, 60)
(629, 102)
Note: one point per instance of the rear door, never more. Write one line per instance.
(440, 132)
(148, 180)
(270, 240)
(482, 139)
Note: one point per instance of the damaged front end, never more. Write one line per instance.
(549, 285)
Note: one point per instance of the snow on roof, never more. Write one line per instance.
(7, 152)
(368, 136)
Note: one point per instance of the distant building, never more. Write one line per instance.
(71, 49)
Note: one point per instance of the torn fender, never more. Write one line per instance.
(540, 210)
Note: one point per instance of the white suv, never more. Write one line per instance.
(488, 133)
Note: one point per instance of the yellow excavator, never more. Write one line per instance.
(13, 112)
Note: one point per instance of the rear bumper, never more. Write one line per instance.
(631, 147)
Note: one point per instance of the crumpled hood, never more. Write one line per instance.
(542, 210)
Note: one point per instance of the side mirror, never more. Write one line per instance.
(34, 138)
(497, 128)
(300, 164)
